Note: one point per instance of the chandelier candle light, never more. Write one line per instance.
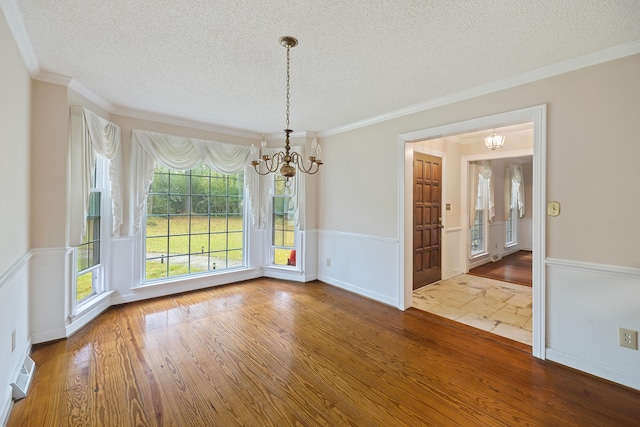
(494, 141)
(286, 160)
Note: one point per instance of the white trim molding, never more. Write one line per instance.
(588, 303)
(363, 264)
(537, 115)
(606, 55)
(15, 268)
(594, 268)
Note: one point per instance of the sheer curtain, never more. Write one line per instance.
(90, 136)
(513, 176)
(483, 169)
(149, 149)
(518, 178)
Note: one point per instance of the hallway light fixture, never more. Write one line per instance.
(290, 161)
(494, 141)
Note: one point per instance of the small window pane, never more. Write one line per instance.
(84, 286)
(199, 224)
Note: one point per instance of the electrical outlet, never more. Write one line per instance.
(328, 262)
(628, 338)
(13, 340)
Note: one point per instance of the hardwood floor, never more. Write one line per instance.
(274, 353)
(515, 268)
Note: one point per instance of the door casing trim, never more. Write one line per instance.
(537, 115)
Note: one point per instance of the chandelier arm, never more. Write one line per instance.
(299, 161)
(271, 163)
(261, 173)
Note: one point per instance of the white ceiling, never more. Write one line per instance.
(220, 63)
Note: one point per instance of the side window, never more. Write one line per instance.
(283, 233)
(511, 224)
(479, 230)
(88, 255)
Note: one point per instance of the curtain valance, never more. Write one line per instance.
(149, 149)
(91, 136)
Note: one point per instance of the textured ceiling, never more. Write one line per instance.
(219, 62)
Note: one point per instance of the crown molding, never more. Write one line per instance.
(16, 25)
(295, 135)
(53, 78)
(606, 55)
(179, 121)
(87, 93)
(15, 21)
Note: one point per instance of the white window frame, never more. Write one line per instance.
(296, 236)
(512, 221)
(482, 203)
(169, 279)
(98, 271)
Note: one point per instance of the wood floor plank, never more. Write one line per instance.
(275, 353)
(514, 268)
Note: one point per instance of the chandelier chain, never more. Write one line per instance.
(288, 86)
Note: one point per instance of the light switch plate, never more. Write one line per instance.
(553, 208)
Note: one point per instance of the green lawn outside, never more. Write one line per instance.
(163, 238)
(223, 228)
(230, 228)
(84, 286)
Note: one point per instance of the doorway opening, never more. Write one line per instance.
(455, 250)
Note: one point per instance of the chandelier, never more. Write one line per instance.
(286, 160)
(494, 141)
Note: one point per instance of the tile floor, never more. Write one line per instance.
(498, 307)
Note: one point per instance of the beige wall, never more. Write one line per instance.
(592, 148)
(15, 110)
(50, 139)
(15, 106)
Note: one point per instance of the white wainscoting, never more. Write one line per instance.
(363, 264)
(48, 294)
(453, 246)
(14, 316)
(125, 280)
(586, 304)
(525, 234)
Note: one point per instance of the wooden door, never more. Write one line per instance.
(427, 219)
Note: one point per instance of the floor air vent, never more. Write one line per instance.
(21, 385)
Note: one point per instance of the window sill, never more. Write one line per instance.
(204, 275)
(480, 255)
(91, 303)
(292, 268)
(88, 311)
(510, 245)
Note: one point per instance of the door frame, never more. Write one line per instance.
(537, 115)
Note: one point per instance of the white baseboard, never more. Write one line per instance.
(186, 284)
(360, 291)
(601, 371)
(6, 403)
(453, 273)
(95, 307)
(51, 335)
(288, 274)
